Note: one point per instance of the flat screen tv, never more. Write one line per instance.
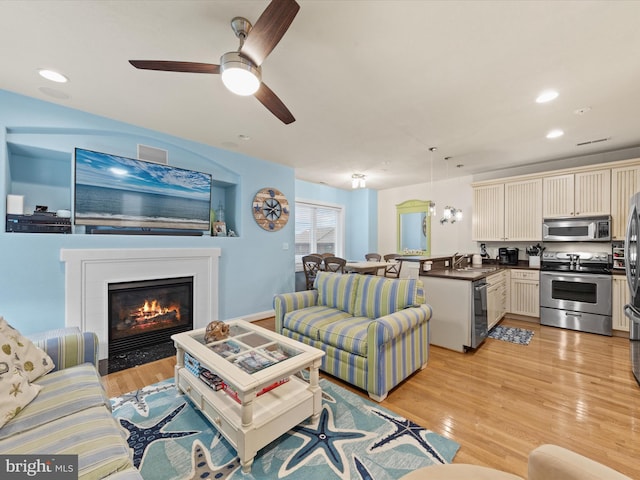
(122, 192)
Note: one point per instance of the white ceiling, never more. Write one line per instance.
(372, 84)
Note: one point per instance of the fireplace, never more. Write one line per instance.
(147, 312)
(88, 272)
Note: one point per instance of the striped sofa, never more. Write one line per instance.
(71, 414)
(374, 330)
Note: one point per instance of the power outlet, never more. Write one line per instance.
(285, 246)
(446, 263)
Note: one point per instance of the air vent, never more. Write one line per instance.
(152, 154)
(589, 142)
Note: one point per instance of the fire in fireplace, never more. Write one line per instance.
(148, 312)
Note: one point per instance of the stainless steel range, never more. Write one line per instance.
(575, 291)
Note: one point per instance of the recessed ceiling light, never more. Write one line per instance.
(555, 133)
(53, 76)
(546, 96)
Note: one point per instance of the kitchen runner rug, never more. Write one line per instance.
(353, 439)
(521, 336)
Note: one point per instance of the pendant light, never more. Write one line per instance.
(450, 214)
(432, 205)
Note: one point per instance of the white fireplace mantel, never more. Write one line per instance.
(88, 272)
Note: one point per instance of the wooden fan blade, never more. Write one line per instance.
(269, 29)
(167, 66)
(270, 100)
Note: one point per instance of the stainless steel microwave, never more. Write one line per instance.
(577, 229)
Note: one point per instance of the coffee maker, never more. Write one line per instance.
(508, 256)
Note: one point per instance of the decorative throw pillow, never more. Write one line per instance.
(380, 296)
(33, 361)
(336, 290)
(15, 390)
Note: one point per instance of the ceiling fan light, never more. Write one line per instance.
(239, 74)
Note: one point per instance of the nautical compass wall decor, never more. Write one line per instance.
(270, 209)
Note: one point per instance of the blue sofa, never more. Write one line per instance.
(374, 330)
(71, 414)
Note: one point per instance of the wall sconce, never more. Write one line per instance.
(451, 215)
(357, 181)
(432, 208)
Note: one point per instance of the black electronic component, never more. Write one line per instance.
(37, 223)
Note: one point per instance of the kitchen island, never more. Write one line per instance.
(458, 299)
(462, 317)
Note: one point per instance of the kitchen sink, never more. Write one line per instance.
(477, 269)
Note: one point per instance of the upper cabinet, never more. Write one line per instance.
(523, 210)
(625, 181)
(487, 222)
(577, 195)
(510, 211)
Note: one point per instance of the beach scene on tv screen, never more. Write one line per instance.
(118, 191)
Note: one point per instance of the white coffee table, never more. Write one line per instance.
(250, 360)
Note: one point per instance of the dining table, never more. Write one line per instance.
(365, 267)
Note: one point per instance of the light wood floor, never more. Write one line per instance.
(501, 401)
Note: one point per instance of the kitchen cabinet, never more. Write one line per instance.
(510, 211)
(496, 297)
(625, 181)
(487, 223)
(525, 292)
(523, 210)
(577, 195)
(620, 297)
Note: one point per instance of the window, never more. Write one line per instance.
(319, 229)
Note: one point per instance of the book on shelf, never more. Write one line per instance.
(211, 379)
(229, 390)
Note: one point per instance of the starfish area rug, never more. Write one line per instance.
(354, 438)
(521, 336)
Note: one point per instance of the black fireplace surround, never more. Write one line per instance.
(147, 312)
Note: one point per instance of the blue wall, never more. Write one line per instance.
(38, 140)
(361, 214)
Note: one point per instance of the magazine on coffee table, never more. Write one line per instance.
(252, 362)
(227, 349)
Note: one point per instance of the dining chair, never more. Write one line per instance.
(373, 257)
(311, 265)
(334, 264)
(393, 269)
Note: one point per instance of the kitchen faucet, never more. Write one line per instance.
(456, 262)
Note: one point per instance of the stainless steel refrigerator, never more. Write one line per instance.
(631, 255)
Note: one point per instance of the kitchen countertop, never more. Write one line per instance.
(472, 273)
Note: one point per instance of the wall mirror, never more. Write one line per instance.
(414, 227)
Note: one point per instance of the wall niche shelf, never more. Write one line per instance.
(40, 167)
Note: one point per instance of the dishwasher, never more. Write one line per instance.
(479, 326)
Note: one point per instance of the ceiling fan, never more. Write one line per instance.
(241, 70)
